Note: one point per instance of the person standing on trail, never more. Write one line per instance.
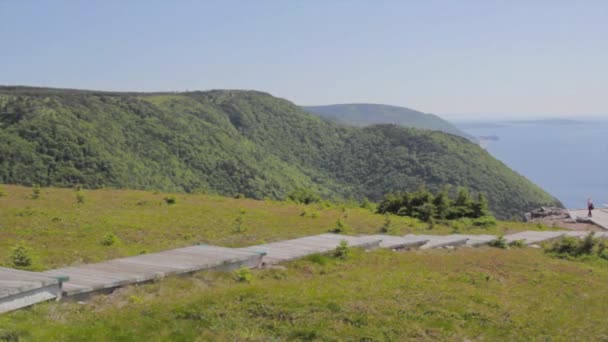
(590, 206)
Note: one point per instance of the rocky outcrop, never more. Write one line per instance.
(544, 212)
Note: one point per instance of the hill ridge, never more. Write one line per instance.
(232, 143)
(366, 114)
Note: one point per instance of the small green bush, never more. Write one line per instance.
(317, 258)
(485, 222)
(571, 247)
(170, 200)
(243, 275)
(340, 228)
(237, 224)
(500, 242)
(305, 196)
(20, 257)
(517, 244)
(343, 251)
(80, 197)
(603, 254)
(9, 336)
(565, 246)
(35, 192)
(109, 239)
(386, 226)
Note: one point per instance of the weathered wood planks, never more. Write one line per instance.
(120, 272)
(20, 289)
(281, 251)
(534, 237)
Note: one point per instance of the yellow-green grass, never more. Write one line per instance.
(463, 295)
(60, 231)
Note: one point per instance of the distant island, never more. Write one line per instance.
(548, 122)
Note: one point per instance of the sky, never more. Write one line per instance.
(459, 59)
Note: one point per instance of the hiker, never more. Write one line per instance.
(590, 206)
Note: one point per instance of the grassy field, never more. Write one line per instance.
(462, 295)
(467, 294)
(59, 230)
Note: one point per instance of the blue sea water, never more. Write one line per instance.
(566, 158)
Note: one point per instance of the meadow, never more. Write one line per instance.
(461, 295)
(465, 294)
(62, 227)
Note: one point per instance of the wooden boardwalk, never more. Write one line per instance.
(19, 289)
(287, 250)
(400, 242)
(441, 241)
(86, 279)
(535, 237)
(600, 216)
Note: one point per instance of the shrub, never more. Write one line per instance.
(573, 247)
(340, 228)
(305, 196)
(517, 244)
(587, 245)
(9, 336)
(243, 275)
(170, 200)
(500, 242)
(603, 254)
(79, 197)
(343, 251)
(386, 226)
(237, 224)
(20, 257)
(431, 223)
(366, 204)
(565, 246)
(35, 192)
(317, 259)
(109, 239)
(484, 222)
(425, 205)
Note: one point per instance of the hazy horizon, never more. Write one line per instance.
(471, 59)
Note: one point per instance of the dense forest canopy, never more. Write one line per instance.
(234, 142)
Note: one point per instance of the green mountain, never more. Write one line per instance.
(234, 142)
(365, 114)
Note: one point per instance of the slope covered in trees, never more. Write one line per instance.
(366, 114)
(234, 142)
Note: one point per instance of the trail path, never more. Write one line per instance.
(600, 216)
(20, 289)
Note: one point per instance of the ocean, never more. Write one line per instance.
(569, 159)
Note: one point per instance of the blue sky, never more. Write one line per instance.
(484, 59)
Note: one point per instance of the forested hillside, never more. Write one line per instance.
(234, 142)
(366, 114)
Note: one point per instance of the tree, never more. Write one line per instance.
(442, 204)
(480, 207)
(462, 205)
(20, 257)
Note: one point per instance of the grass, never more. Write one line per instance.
(60, 229)
(470, 294)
